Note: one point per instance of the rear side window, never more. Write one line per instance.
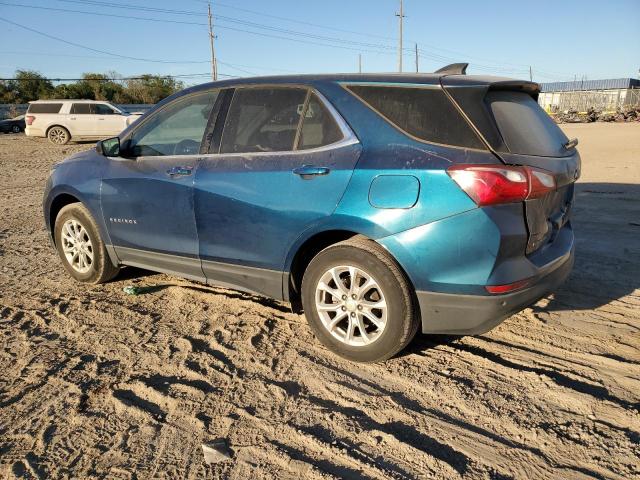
(424, 113)
(319, 128)
(525, 127)
(80, 109)
(263, 120)
(44, 107)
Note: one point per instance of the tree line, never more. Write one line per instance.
(28, 85)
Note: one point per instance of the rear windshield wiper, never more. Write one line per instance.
(571, 144)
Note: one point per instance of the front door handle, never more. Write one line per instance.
(309, 171)
(181, 171)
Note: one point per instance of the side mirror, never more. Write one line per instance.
(109, 147)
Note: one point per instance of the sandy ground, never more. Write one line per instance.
(95, 383)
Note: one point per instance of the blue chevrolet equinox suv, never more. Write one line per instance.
(378, 204)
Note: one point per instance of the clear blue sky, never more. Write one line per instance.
(559, 39)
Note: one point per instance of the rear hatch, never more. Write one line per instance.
(506, 114)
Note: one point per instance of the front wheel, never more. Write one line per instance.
(16, 129)
(80, 247)
(358, 302)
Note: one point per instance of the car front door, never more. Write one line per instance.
(278, 164)
(108, 122)
(147, 195)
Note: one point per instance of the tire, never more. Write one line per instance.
(74, 223)
(395, 324)
(58, 135)
(16, 129)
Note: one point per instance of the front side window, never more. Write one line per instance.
(177, 129)
(263, 120)
(102, 109)
(424, 113)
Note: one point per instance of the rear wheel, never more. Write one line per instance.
(58, 135)
(16, 129)
(358, 302)
(80, 247)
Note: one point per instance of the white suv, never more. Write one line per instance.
(63, 120)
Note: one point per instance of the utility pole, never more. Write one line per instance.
(359, 63)
(417, 65)
(400, 18)
(530, 74)
(214, 63)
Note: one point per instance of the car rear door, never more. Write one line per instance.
(80, 119)
(280, 159)
(147, 197)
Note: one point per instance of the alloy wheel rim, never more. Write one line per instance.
(15, 129)
(57, 135)
(351, 305)
(77, 246)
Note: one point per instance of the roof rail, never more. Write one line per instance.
(454, 69)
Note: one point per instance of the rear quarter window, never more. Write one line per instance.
(525, 127)
(424, 113)
(44, 108)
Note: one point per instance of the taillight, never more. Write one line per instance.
(29, 119)
(491, 185)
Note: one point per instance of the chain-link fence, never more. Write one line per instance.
(583, 101)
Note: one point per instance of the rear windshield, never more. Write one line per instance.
(525, 127)
(44, 107)
(425, 113)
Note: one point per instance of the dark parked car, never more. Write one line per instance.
(378, 204)
(13, 125)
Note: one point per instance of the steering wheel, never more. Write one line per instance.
(186, 147)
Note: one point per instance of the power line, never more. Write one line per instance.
(93, 49)
(251, 24)
(342, 43)
(100, 3)
(235, 66)
(113, 15)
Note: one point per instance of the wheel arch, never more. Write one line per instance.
(304, 253)
(308, 249)
(58, 203)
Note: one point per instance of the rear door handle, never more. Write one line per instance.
(310, 171)
(181, 171)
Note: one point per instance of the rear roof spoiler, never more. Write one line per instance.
(454, 69)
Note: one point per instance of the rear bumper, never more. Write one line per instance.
(31, 131)
(446, 313)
